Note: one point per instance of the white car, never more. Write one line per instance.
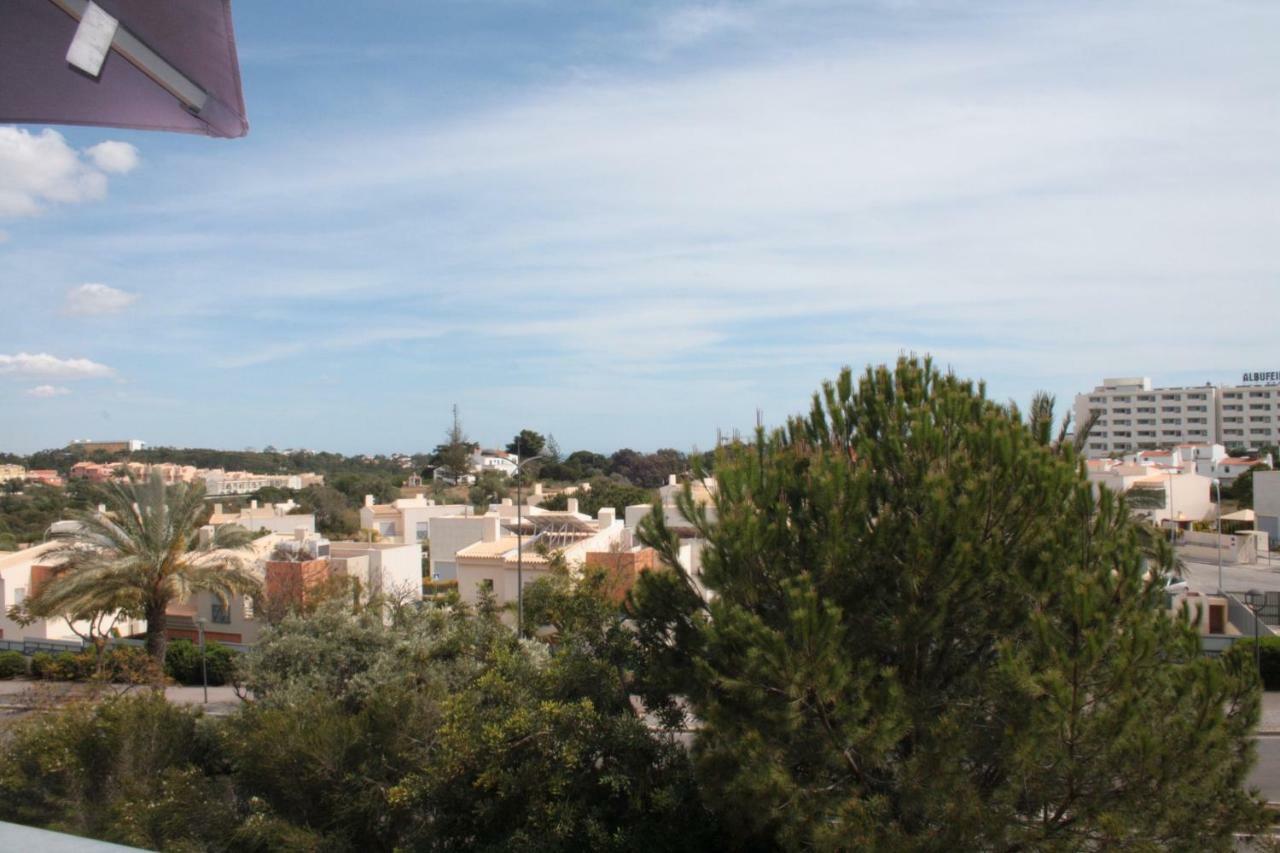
(1177, 586)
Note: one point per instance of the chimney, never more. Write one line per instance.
(573, 505)
(606, 517)
(253, 504)
(206, 536)
(102, 509)
(217, 509)
(671, 479)
(489, 532)
(537, 490)
(368, 500)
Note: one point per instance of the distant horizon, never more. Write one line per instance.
(1063, 404)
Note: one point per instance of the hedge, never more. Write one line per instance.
(1269, 659)
(12, 664)
(182, 662)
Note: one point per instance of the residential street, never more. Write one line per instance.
(1204, 576)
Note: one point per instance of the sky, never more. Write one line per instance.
(633, 224)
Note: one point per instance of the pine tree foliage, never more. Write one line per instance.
(923, 630)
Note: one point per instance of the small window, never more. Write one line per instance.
(220, 614)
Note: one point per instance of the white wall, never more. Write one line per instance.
(392, 567)
(450, 534)
(1266, 503)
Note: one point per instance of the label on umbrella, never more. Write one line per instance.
(92, 42)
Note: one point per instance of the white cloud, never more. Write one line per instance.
(98, 299)
(43, 364)
(690, 25)
(47, 391)
(118, 158)
(40, 169)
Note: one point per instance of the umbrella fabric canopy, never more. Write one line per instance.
(191, 83)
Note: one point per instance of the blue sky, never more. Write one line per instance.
(629, 224)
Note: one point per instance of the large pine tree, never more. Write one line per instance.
(924, 631)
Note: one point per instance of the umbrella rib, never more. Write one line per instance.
(146, 60)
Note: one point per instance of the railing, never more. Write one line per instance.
(32, 645)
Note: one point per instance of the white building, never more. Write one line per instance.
(275, 518)
(406, 519)
(218, 483)
(1133, 415)
(1172, 493)
(495, 460)
(1250, 414)
(499, 559)
(384, 568)
(1266, 504)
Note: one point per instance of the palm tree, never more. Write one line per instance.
(141, 552)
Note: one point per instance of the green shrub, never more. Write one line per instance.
(12, 664)
(1269, 659)
(40, 663)
(63, 666)
(130, 665)
(182, 662)
(128, 769)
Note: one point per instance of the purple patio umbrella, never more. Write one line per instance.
(146, 64)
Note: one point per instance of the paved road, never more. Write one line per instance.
(25, 692)
(1235, 578)
(1266, 774)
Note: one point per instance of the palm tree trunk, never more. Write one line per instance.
(157, 642)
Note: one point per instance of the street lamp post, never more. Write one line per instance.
(520, 541)
(204, 669)
(1255, 599)
(1218, 526)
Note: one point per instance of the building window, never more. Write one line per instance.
(422, 531)
(220, 614)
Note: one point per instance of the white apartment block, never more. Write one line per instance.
(405, 520)
(1133, 415)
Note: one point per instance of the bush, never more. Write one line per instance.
(129, 769)
(130, 665)
(64, 666)
(12, 664)
(40, 663)
(1269, 659)
(182, 662)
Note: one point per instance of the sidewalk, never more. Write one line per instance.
(1269, 722)
(19, 693)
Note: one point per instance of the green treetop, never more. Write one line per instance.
(924, 631)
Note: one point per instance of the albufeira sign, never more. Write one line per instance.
(1263, 376)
